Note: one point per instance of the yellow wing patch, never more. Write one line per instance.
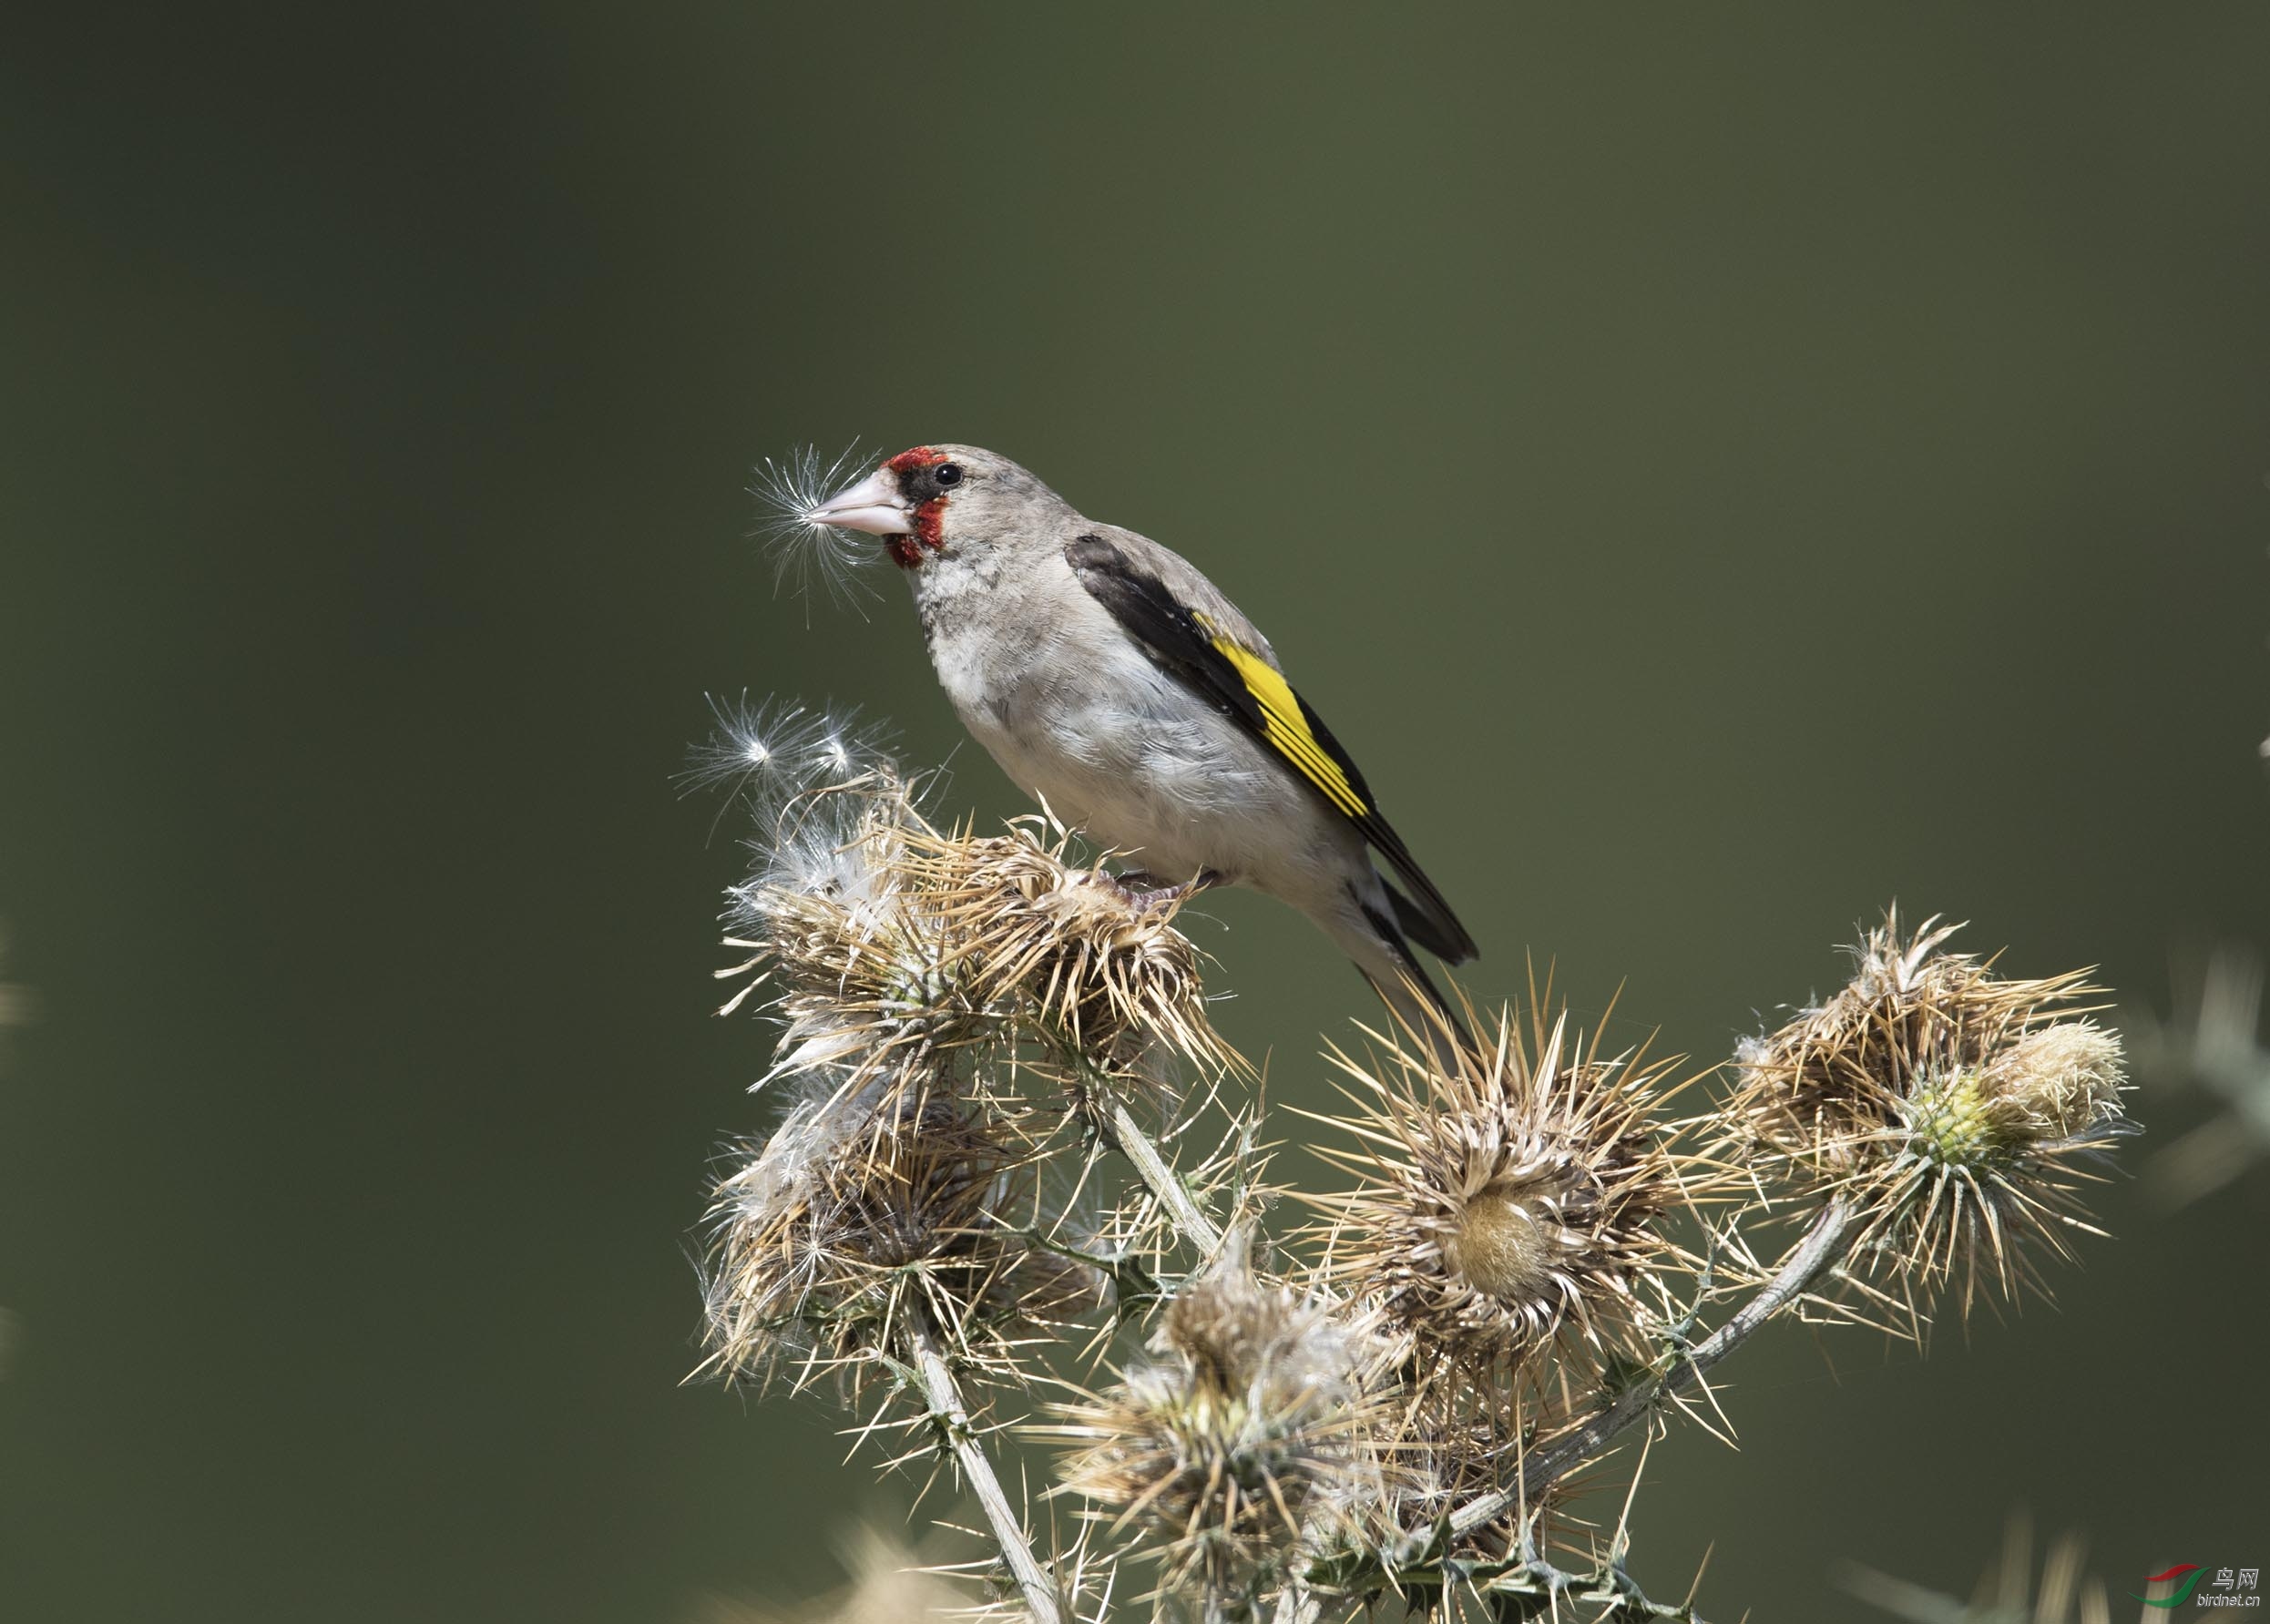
(1282, 722)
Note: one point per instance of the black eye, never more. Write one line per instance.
(948, 475)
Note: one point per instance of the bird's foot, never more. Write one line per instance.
(1143, 895)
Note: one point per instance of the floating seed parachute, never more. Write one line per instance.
(787, 489)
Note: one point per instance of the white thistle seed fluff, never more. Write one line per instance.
(787, 490)
(774, 752)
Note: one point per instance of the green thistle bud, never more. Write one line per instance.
(1952, 1105)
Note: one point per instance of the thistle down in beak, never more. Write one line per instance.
(873, 505)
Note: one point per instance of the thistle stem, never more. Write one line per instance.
(951, 1417)
(1134, 1143)
(1831, 1236)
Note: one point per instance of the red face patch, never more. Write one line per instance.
(929, 513)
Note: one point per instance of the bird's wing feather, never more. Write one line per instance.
(1187, 627)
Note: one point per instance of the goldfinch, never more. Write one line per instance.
(1113, 682)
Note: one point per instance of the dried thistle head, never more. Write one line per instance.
(1250, 1434)
(1820, 1088)
(1513, 1205)
(890, 945)
(889, 1584)
(1954, 1107)
(1461, 1436)
(2066, 1594)
(1108, 973)
(873, 1213)
(2213, 1045)
(866, 978)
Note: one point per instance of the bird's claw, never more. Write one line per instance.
(1143, 896)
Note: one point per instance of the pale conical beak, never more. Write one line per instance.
(873, 505)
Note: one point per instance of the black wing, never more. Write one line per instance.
(1244, 685)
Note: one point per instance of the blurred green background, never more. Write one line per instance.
(1720, 471)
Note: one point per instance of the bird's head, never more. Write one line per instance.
(942, 499)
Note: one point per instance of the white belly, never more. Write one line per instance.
(1121, 749)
